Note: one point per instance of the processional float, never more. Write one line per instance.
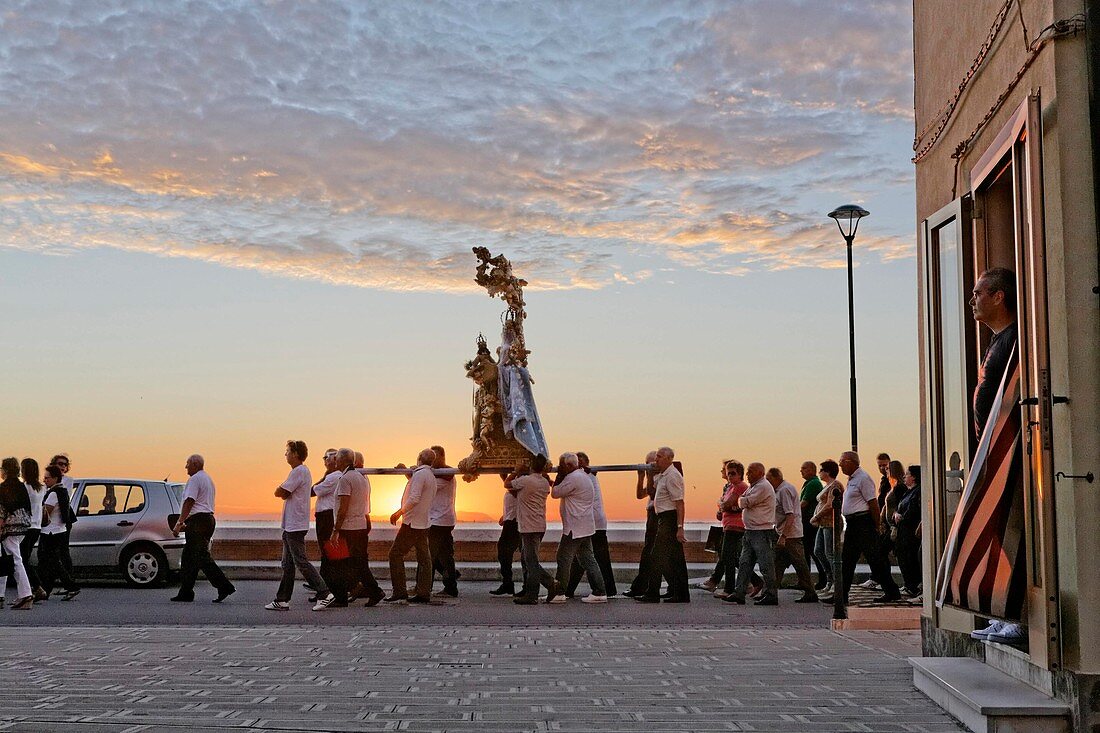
(506, 425)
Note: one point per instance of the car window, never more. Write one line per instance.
(111, 499)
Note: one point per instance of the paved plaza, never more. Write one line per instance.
(445, 669)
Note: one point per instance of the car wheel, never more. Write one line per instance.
(144, 566)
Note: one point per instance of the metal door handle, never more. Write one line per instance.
(124, 523)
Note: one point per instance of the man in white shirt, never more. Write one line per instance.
(442, 518)
(758, 513)
(324, 512)
(862, 530)
(667, 559)
(415, 511)
(197, 522)
(789, 549)
(574, 488)
(644, 490)
(529, 488)
(600, 546)
(507, 544)
(295, 495)
(352, 523)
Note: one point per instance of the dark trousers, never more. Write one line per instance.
(348, 573)
(198, 530)
(507, 545)
(793, 552)
(732, 540)
(579, 549)
(640, 583)
(534, 574)
(53, 550)
(908, 553)
(757, 548)
(667, 560)
(294, 556)
(719, 571)
(602, 551)
(860, 538)
(441, 544)
(324, 521)
(411, 539)
(26, 548)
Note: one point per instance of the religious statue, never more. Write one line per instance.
(506, 423)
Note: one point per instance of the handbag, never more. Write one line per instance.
(337, 549)
(714, 540)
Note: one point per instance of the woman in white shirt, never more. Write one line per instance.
(35, 492)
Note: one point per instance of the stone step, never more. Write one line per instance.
(987, 700)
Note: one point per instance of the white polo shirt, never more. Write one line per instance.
(296, 506)
(443, 506)
(417, 498)
(529, 502)
(577, 496)
(669, 490)
(859, 490)
(599, 516)
(200, 487)
(325, 491)
(356, 487)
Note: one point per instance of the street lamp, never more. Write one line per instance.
(847, 220)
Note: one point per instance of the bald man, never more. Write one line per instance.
(197, 522)
(862, 530)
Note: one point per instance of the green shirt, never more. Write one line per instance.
(811, 489)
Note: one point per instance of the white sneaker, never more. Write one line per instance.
(1008, 634)
(593, 598)
(323, 603)
(278, 606)
(828, 591)
(558, 599)
(869, 585)
(916, 600)
(993, 627)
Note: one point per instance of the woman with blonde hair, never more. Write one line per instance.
(15, 520)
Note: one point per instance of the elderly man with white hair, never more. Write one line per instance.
(197, 522)
(352, 522)
(577, 495)
(415, 513)
(668, 544)
(862, 530)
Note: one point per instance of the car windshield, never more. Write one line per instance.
(177, 491)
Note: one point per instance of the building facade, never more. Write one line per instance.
(1007, 133)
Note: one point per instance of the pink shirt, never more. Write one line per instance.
(734, 520)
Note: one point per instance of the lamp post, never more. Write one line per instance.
(847, 220)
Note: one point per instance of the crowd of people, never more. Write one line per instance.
(35, 511)
(767, 526)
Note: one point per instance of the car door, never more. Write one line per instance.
(107, 512)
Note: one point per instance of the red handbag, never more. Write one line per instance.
(337, 549)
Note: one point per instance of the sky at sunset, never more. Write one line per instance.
(228, 224)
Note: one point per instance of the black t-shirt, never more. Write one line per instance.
(990, 374)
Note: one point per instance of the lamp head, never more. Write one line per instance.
(847, 219)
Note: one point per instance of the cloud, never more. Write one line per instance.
(341, 141)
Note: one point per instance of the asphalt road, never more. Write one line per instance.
(107, 605)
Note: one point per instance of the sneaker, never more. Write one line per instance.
(278, 606)
(324, 602)
(557, 599)
(869, 585)
(396, 600)
(1008, 634)
(993, 627)
(593, 598)
(917, 600)
(554, 592)
(708, 585)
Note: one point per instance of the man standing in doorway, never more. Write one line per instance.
(197, 522)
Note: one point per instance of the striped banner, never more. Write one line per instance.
(983, 568)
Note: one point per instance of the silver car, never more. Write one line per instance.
(126, 524)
